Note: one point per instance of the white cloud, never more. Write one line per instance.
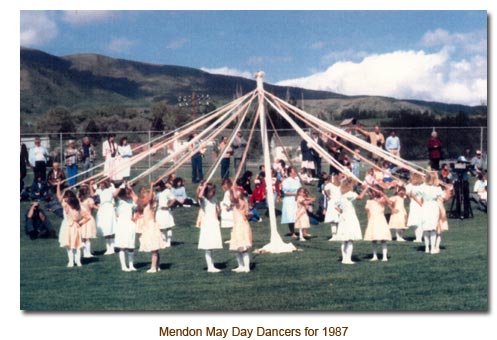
(343, 55)
(85, 17)
(37, 28)
(405, 74)
(470, 42)
(120, 44)
(227, 71)
(177, 43)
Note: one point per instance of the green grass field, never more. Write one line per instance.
(311, 278)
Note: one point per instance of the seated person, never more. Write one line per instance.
(39, 190)
(37, 223)
(479, 194)
(258, 198)
(305, 177)
(179, 192)
(54, 175)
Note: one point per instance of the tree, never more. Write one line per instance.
(56, 120)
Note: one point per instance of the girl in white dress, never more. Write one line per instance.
(164, 216)
(430, 211)
(289, 188)
(332, 192)
(125, 154)
(89, 229)
(226, 208)
(110, 153)
(413, 191)
(125, 226)
(106, 215)
(210, 230)
(349, 229)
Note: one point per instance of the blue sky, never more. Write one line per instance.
(428, 55)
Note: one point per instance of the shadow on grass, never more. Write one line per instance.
(89, 260)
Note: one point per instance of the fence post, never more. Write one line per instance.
(149, 158)
(61, 150)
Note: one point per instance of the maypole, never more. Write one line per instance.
(276, 244)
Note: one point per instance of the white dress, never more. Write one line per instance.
(349, 228)
(123, 165)
(164, 217)
(125, 228)
(109, 149)
(226, 216)
(430, 211)
(334, 194)
(210, 230)
(414, 217)
(106, 215)
(289, 205)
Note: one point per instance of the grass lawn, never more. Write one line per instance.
(311, 278)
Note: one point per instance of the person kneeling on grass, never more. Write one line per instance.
(179, 192)
(37, 223)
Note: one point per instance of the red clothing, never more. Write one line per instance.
(434, 147)
(258, 195)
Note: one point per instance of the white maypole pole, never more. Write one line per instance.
(276, 244)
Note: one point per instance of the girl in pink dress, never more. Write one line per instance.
(151, 238)
(241, 234)
(89, 229)
(70, 229)
(304, 200)
(377, 229)
(398, 218)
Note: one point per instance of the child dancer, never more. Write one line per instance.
(70, 228)
(210, 231)
(106, 216)
(125, 226)
(398, 218)
(377, 228)
(226, 207)
(413, 191)
(164, 216)
(241, 234)
(332, 193)
(89, 229)
(349, 229)
(430, 211)
(443, 223)
(304, 200)
(151, 238)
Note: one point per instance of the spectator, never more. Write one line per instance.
(109, 152)
(225, 162)
(87, 156)
(258, 198)
(37, 223)
(179, 192)
(239, 144)
(307, 156)
(39, 190)
(125, 153)
(317, 157)
(71, 163)
(356, 163)
(479, 194)
(477, 162)
(335, 151)
(392, 144)
(247, 179)
(38, 157)
(445, 175)
(24, 164)
(195, 148)
(376, 138)
(434, 151)
(54, 175)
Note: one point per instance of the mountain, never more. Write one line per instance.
(86, 81)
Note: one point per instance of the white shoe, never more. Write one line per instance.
(238, 269)
(246, 270)
(400, 239)
(385, 259)
(70, 265)
(78, 264)
(348, 262)
(374, 259)
(417, 241)
(152, 270)
(213, 270)
(435, 251)
(125, 269)
(109, 252)
(132, 269)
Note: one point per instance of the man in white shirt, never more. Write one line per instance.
(392, 144)
(38, 156)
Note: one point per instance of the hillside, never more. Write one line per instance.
(88, 81)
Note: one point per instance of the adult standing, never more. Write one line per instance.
(71, 162)
(38, 157)
(334, 150)
(317, 156)
(239, 144)
(225, 162)
(55, 175)
(307, 156)
(24, 164)
(109, 152)
(125, 153)
(434, 151)
(289, 187)
(375, 137)
(197, 171)
(392, 144)
(87, 154)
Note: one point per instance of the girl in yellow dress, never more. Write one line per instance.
(304, 200)
(398, 218)
(377, 228)
(241, 234)
(89, 229)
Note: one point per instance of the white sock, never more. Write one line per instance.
(85, 249)
(385, 251)
(433, 239)
(131, 258)
(333, 229)
(169, 237)
(344, 251)
(419, 234)
(246, 261)
(239, 259)
(426, 235)
(375, 253)
(122, 260)
(208, 259)
(438, 241)
(70, 257)
(350, 248)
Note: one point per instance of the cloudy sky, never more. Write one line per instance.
(427, 55)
